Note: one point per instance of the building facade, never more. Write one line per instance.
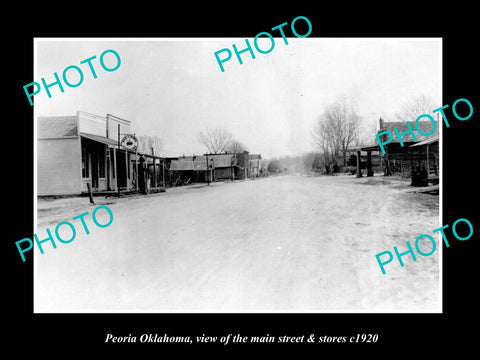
(213, 167)
(76, 151)
(254, 165)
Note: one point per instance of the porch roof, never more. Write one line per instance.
(113, 144)
(365, 148)
(426, 141)
(100, 139)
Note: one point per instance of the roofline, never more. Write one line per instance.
(59, 138)
(117, 118)
(55, 116)
(426, 141)
(90, 114)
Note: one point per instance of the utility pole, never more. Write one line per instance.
(136, 169)
(208, 169)
(118, 153)
(154, 178)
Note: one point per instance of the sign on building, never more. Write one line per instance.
(129, 142)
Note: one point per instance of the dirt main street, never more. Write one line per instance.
(286, 243)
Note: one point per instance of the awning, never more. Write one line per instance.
(114, 144)
(100, 139)
(371, 148)
(365, 148)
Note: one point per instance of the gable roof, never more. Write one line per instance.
(57, 127)
(425, 127)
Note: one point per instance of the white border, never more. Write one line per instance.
(339, 311)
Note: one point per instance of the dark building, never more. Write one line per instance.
(401, 160)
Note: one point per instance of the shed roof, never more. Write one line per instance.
(426, 141)
(363, 148)
(369, 148)
(100, 139)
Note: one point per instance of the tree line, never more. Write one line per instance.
(339, 128)
(215, 140)
(336, 131)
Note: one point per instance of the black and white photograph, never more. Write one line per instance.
(228, 178)
(209, 175)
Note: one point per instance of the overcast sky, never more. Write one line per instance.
(173, 88)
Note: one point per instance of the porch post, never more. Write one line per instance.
(136, 169)
(359, 172)
(116, 168)
(116, 164)
(428, 160)
(369, 164)
(163, 173)
(154, 173)
(107, 165)
(127, 170)
(154, 182)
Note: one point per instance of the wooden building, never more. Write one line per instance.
(427, 155)
(415, 156)
(212, 167)
(400, 160)
(254, 165)
(189, 169)
(73, 151)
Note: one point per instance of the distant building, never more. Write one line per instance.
(201, 168)
(73, 151)
(188, 169)
(254, 165)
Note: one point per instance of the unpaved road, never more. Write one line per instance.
(288, 243)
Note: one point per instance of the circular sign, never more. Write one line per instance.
(129, 142)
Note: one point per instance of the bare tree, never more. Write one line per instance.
(321, 139)
(337, 129)
(215, 140)
(419, 105)
(147, 142)
(349, 125)
(235, 147)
